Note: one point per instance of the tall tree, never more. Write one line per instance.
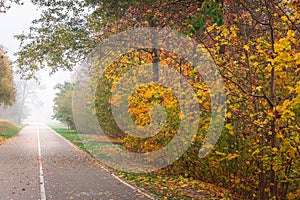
(63, 104)
(258, 55)
(7, 88)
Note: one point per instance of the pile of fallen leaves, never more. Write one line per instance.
(177, 187)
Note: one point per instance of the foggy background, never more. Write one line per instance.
(16, 21)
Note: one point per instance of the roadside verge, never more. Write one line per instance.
(157, 183)
(74, 140)
(7, 130)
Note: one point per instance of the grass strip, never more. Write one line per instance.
(7, 130)
(164, 187)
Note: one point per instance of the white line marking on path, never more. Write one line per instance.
(132, 187)
(112, 174)
(42, 183)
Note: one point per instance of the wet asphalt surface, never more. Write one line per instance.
(68, 172)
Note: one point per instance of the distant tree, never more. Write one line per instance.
(26, 97)
(63, 104)
(7, 88)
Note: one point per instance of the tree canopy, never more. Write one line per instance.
(67, 31)
(5, 5)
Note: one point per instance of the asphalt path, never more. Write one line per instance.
(40, 164)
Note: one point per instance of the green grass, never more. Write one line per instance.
(8, 130)
(72, 136)
(164, 187)
(93, 147)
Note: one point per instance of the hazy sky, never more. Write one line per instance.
(16, 21)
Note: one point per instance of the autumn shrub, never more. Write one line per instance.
(257, 52)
